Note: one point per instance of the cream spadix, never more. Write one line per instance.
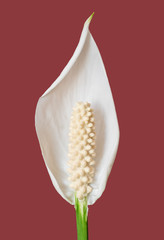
(83, 80)
(81, 149)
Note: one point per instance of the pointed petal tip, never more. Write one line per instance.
(89, 19)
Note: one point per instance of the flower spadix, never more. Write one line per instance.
(83, 80)
(82, 149)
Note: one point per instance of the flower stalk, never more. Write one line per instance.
(81, 218)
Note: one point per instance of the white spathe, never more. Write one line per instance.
(83, 79)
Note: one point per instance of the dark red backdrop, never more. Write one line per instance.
(37, 40)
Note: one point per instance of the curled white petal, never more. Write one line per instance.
(83, 79)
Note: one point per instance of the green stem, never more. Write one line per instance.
(81, 218)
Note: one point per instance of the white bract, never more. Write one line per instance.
(83, 80)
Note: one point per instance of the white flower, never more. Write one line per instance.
(83, 79)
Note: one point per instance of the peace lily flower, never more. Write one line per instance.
(68, 144)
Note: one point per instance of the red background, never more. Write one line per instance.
(37, 40)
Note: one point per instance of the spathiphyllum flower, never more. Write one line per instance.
(77, 128)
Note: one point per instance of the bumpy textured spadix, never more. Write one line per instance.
(81, 149)
(83, 80)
